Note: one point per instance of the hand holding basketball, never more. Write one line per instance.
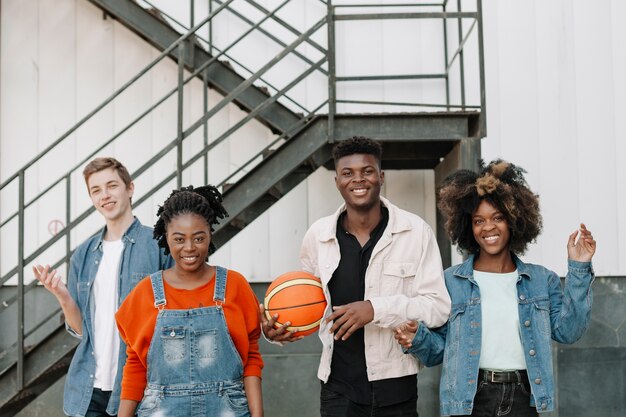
(294, 302)
(280, 334)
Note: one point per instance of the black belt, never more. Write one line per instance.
(503, 377)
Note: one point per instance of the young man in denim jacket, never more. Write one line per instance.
(379, 265)
(102, 272)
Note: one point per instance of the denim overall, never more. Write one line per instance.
(194, 369)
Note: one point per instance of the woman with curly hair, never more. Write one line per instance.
(192, 330)
(496, 347)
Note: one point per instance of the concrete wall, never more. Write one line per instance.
(590, 374)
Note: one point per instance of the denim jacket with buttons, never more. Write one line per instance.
(546, 311)
(140, 257)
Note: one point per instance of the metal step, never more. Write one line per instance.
(43, 366)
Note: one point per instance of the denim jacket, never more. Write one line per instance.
(545, 311)
(141, 257)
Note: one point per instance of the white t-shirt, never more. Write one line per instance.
(501, 347)
(106, 341)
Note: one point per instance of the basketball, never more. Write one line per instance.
(297, 297)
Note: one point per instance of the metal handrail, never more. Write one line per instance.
(260, 29)
(120, 90)
(400, 103)
(171, 145)
(197, 72)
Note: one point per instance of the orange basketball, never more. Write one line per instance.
(297, 297)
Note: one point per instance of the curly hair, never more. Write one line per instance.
(358, 144)
(500, 183)
(204, 201)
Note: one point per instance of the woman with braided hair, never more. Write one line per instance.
(496, 346)
(192, 330)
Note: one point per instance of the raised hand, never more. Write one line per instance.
(280, 334)
(349, 318)
(405, 333)
(583, 249)
(51, 281)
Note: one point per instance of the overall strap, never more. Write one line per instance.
(219, 296)
(157, 289)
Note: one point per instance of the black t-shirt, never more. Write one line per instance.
(348, 371)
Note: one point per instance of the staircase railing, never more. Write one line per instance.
(14, 355)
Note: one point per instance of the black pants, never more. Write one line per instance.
(98, 404)
(498, 399)
(333, 404)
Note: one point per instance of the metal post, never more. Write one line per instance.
(68, 219)
(192, 14)
(481, 60)
(205, 97)
(332, 75)
(20, 285)
(181, 86)
(445, 54)
(210, 29)
(461, 58)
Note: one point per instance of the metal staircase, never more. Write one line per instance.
(444, 140)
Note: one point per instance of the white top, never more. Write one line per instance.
(106, 339)
(501, 346)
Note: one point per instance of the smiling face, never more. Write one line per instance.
(188, 238)
(110, 195)
(491, 230)
(359, 179)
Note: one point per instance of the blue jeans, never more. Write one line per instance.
(98, 403)
(333, 404)
(503, 399)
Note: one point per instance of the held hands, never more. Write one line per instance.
(350, 318)
(276, 334)
(51, 281)
(405, 333)
(583, 249)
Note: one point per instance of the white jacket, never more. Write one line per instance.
(404, 281)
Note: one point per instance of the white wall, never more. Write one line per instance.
(554, 96)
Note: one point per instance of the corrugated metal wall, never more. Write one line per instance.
(554, 97)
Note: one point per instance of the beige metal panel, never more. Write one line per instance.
(92, 85)
(19, 78)
(618, 8)
(595, 117)
(413, 191)
(129, 57)
(322, 197)
(250, 250)
(287, 226)
(555, 114)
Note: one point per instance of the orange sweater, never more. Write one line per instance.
(137, 316)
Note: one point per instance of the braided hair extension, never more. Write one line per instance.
(205, 201)
(503, 185)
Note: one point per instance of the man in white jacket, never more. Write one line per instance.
(379, 266)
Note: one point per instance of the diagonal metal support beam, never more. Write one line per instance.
(219, 75)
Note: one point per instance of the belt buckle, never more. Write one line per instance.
(493, 374)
